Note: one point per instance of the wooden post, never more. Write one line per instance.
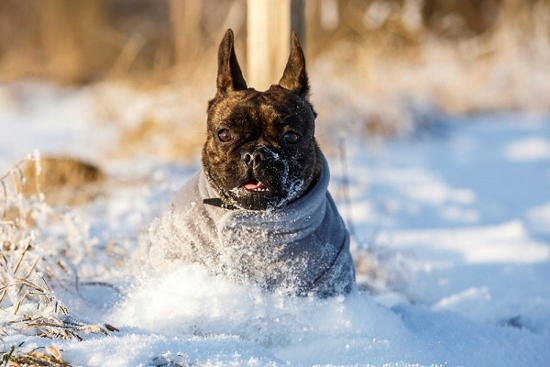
(269, 26)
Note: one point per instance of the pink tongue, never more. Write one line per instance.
(253, 185)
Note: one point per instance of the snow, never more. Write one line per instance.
(456, 223)
(539, 217)
(532, 148)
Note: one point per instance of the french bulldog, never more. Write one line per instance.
(259, 211)
(260, 151)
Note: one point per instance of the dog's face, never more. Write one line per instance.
(260, 151)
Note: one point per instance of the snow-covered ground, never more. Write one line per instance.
(454, 222)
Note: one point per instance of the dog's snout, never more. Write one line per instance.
(253, 159)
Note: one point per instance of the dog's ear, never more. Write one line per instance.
(295, 76)
(230, 78)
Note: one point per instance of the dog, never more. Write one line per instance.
(259, 211)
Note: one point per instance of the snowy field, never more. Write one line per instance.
(451, 232)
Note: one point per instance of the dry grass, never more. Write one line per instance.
(33, 263)
(44, 356)
(390, 82)
(159, 138)
(167, 122)
(63, 180)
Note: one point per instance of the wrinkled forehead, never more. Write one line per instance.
(271, 106)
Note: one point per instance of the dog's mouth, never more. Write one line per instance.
(255, 186)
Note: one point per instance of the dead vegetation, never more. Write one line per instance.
(35, 260)
(43, 356)
(163, 139)
(63, 180)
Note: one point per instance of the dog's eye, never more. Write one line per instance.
(225, 135)
(291, 137)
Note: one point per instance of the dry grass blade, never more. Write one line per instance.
(32, 285)
(59, 326)
(29, 272)
(111, 328)
(54, 352)
(7, 356)
(19, 303)
(5, 192)
(18, 264)
(18, 184)
(10, 172)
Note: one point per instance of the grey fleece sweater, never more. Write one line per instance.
(299, 249)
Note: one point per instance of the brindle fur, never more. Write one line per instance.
(257, 121)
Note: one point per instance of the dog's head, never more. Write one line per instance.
(260, 152)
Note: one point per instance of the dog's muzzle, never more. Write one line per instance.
(257, 156)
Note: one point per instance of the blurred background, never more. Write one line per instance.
(377, 67)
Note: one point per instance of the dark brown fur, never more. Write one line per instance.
(261, 127)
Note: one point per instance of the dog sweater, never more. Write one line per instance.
(300, 249)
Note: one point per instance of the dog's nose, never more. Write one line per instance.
(253, 159)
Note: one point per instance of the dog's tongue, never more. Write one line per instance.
(254, 185)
